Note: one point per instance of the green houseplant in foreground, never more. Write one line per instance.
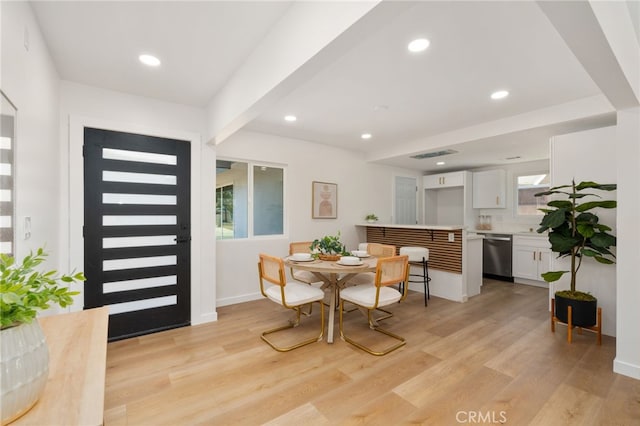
(24, 291)
(575, 232)
(24, 359)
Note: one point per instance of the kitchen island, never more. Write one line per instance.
(455, 255)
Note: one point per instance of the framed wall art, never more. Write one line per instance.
(324, 200)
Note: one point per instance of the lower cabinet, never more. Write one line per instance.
(531, 258)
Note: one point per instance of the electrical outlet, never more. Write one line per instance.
(452, 237)
(27, 227)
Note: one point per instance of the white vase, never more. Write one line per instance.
(24, 366)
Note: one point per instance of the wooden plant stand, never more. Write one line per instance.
(596, 328)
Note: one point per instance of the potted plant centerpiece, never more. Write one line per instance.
(329, 247)
(575, 232)
(24, 359)
(371, 218)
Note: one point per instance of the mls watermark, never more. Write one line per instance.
(479, 417)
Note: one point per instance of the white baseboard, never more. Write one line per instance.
(209, 317)
(534, 283)
(626, 369)
(238, 299)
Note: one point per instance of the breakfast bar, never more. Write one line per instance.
(455, 255)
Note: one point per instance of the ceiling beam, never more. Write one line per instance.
(308, 37)
(593, 106)
(601, 36)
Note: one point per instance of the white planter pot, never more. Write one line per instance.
(24, 366)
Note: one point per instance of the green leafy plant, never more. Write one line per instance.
(575, 231)
(329, 244)
(371, 216)
(24, 291)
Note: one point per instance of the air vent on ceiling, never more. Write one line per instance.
(435, 154)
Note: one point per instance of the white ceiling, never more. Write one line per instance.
(376, 87)
(200, 43)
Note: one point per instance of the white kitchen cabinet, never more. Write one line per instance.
(489, 189)
(447, 199)
(444, 180)
(531, 258)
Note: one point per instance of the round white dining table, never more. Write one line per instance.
(334, 276)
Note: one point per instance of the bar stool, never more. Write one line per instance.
(419, 256)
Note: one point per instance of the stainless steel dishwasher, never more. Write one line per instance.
(496, 256)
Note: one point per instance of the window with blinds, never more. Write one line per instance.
(7, 173)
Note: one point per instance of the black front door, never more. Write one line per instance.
(137, 230)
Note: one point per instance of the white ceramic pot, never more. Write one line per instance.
(24, 366)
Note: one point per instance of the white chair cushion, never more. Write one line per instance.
(306, 277)
(415, 253)
(295, 294)
(365, 295)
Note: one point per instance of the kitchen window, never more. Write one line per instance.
(249, 200)
(527, 186)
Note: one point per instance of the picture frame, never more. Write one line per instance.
(324, 200)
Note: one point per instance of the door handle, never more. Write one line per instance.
(501, 239)
(182, 239)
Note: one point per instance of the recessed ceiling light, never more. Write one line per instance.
(440, 163)
(418, 45)
(290, 118)
(149, 60)
(500, 94)
(366, 136)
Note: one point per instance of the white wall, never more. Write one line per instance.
(589, 156)
(362, 188)
(506, 219)
(628, 291)
(30, 80)
(83, 105)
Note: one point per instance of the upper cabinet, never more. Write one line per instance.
(489, 189)
(444, 180)
(447, 199)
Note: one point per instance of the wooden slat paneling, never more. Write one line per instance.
(443, 255)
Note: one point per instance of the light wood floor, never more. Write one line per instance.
(490, 360)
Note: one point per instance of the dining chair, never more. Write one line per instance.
(377, 250)
(291, 295)
(389, 271)
(381, 250)
(298, 275)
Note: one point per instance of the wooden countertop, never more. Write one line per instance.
(434, 227)
(74, 394)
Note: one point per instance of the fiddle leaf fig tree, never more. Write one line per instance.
(575, 230)
(24, 290)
